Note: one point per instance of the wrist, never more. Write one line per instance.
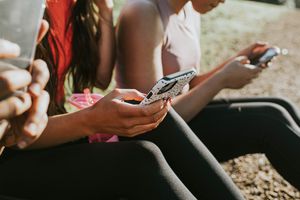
(88, 125)
(220, 80)
(106, 18)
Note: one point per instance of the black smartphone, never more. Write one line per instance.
(20, 22)
(266, 57)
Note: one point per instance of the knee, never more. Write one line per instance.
(146, 150)
(275, 113)
(148, 160)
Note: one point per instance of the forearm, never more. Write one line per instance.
(191, 103)
(106, 49)
(62, 129)
(199, 79)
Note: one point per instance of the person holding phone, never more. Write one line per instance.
(156, 148)
(157, 38)
(23, 114)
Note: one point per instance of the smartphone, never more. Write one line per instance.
(169, 86)
(266, 57)
(20, 22)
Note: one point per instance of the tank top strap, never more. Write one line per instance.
(164, 11)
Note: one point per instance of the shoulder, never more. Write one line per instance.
(141, 13)
(140, 7)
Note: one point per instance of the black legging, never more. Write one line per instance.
(129, 169)
(141, 170)
(235, 127)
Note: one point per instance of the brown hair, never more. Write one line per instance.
(85, 60)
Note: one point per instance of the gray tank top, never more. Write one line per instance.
(181, 45)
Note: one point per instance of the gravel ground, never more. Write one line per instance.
(253, 174)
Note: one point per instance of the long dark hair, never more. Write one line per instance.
(85, 60)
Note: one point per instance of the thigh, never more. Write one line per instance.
(135, 170)
(237, 128)
(290, 107)
(191, 160)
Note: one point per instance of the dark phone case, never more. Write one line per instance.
(19, 23)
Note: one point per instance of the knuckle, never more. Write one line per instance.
(15, 106)
(5, 83)
(117, 91)
(126, 125)
(154, 118)
(46, 95)
(144, 111)
(128, 132)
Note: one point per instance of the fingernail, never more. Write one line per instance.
(31, 128)
(35, 88)
(22, 144)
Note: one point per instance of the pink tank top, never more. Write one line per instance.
(181, 44)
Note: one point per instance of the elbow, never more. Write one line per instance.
(103, 83)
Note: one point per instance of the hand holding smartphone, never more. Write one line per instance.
(169, 86)
(20, 21)
(266, 57)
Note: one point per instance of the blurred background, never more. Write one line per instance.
(230, 28)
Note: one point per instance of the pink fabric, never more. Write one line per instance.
(85, 100)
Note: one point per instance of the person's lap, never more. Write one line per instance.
(235, 127)
(82, 164)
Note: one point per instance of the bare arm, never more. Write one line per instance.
(110, 115)
(139, 38)
(140, 34)
(106, 43)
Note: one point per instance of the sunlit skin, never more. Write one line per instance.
(23, 115)
(202, 6)
(110, 115)
(140, 37)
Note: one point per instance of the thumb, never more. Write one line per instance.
(243, 60)
(43, 30)
(131, 94)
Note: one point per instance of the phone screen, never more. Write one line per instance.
(20, 21)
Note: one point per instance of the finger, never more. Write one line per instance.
(269, 64)
(130, 94)
(24, 141)
(251, 67)
(256, 70)
(149, 119)
(128, 110)
(242, 60)
(13, 80)
(8, 49)
(4, 124)
(9, 139)
(40, 77)
(35, 118)
(141, 129)
(260, 43)
(43, 30)
(14, 106)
